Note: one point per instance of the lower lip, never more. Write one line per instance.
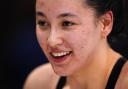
(60, 60)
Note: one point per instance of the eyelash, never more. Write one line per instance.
(68, 23)
(42, 23)
(65, 24)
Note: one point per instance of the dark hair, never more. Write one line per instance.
(118, 7)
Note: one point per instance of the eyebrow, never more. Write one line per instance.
(38, 13)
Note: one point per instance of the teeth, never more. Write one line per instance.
(60, 54)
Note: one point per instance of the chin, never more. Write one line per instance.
(61, 71)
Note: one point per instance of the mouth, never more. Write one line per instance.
(59, 55)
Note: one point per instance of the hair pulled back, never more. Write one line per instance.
(118, 7)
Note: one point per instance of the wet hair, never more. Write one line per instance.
(118, 7)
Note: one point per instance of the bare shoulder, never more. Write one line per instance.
(43, 77)
(122, 82)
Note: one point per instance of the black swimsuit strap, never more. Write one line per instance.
(115, 73)
(61, 83)
(111, 81)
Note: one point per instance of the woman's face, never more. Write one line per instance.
(68, 33)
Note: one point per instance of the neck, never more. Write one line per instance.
(96, 74)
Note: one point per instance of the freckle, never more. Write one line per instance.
(83, 31)
(82, 47)
(48, 10)
(41, 2)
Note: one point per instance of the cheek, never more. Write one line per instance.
(42, 38)
(79, 39)
(84, 41)
(81, 45)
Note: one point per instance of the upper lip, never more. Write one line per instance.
(57, 50)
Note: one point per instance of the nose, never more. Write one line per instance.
(54, 39)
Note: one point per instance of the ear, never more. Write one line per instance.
(106, 21)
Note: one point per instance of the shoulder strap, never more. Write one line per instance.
(111, 81)
(61, 83)
(115, 73)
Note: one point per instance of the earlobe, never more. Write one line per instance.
(107, 23)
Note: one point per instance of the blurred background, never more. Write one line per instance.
(21, 50)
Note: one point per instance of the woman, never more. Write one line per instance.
(73, 35)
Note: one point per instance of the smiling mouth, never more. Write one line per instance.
(58, 55)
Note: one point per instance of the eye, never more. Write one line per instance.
(42, 23)
(68, 23)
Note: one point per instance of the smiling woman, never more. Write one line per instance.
(73, 35)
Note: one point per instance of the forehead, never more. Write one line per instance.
(59, 5)
(56, 2)
(52, 9)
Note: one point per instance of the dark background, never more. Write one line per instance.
(21, 52)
